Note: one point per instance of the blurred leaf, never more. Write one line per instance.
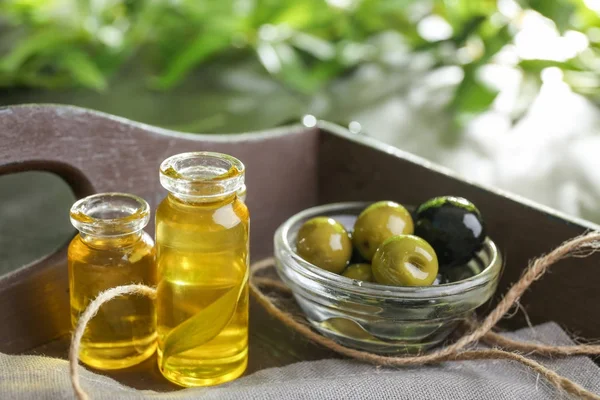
(266, 11)
(317, 47)
(536, 66)
(201, 48)
(472, 96)
(41, 43)
(374, 16)
(528, 91)
(586, 83)
(458, 12)
(284, 62)
(459, 39)
(495, 42)
(468, 28)
(584, 17)
(301, 13)
(83, 70)
(559, 11)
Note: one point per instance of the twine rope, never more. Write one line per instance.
(88, 314)
(581, 246)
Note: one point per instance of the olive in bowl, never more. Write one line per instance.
(324, 242)
(405, 260)
(378, 222)
(359, 272)
(454, 228)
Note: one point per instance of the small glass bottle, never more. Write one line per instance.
(111, 250)
(202, 238)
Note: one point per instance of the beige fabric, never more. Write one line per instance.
(37, 378)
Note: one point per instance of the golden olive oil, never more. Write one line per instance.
(122, 334)
(202, 292)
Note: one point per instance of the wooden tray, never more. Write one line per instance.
(288, 169)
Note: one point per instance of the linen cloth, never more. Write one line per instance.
(38, 378)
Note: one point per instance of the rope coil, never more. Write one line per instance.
(581, 246)
(88, 314)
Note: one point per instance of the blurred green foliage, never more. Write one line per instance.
(304, 44)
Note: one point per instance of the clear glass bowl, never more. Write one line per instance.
(380, 318)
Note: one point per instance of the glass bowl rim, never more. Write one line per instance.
(337, 282)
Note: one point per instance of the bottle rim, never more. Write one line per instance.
(110, 214)
(202, 175)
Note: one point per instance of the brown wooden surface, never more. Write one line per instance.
(288, 170)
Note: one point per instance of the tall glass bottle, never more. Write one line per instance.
(202, 238)
(110, 250)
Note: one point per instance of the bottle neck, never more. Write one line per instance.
(199, 201)
(111, 242)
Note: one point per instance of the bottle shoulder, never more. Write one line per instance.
(226, 214)
(115, 252)
(75, 245)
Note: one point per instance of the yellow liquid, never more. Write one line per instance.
(202, 261)
(123, 333)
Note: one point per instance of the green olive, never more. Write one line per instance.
(360, 272)
(379, 222)
(405, 260)
(324, 242)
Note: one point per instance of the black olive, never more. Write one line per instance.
(453, 226)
